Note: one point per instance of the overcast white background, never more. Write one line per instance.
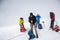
(12, 10)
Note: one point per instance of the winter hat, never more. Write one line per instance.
(51, 12)
(31, 13)
(21, 18)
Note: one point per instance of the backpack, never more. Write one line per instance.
(40, 26)
(22, 29)
(31, 35)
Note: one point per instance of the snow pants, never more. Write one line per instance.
(31, 25)
(52, 24)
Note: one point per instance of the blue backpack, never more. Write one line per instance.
(40, 26)
(31, 35)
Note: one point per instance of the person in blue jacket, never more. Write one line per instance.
(38, 17)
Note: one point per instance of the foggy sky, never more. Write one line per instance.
(12, 10)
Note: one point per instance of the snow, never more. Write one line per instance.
(13, 33)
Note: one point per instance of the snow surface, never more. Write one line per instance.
(13, 33)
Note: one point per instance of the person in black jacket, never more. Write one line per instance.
(32, 21)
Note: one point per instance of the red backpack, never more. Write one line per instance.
(22, 29)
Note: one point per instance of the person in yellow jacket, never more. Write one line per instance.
(21, 21)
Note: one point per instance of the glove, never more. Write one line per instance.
(31, 21)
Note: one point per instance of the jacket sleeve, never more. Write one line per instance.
(34, 19)
(21, 22)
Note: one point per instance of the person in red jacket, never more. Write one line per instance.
(52, 17)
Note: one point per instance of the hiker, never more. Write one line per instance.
(21, 23)
(32, 21)
(52, 17)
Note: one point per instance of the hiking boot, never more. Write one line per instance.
(37, 36)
